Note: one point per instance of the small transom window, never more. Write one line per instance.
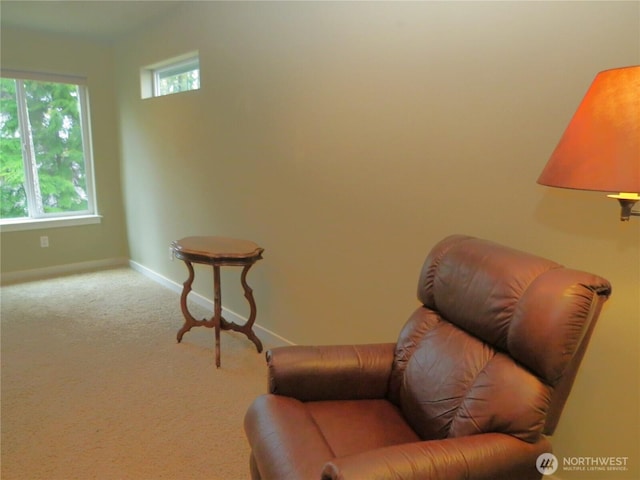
(180, 74)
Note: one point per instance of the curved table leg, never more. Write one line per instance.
(217, 309)
(217, 321)
(247, 328)
(189, 321)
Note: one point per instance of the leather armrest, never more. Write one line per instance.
(489, 456)
(337, 372)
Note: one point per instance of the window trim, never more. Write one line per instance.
(172, 69)
(150, 75)
(19, 224)
(37, 220)
(42, 76)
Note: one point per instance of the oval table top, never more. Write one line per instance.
(217, 247)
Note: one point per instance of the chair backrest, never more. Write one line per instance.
(497, 343)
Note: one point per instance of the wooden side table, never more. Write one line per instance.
(218, 252)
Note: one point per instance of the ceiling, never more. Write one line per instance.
(103, 20)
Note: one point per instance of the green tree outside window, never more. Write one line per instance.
(42, 155)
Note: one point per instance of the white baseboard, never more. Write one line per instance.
(274, 339)
(60, 270)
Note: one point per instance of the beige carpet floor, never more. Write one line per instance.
(94, 385)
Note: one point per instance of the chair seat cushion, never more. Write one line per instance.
(293, 439)
(355, 426)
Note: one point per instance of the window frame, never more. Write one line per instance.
(150, 76)
(174, 69)
(35, 219)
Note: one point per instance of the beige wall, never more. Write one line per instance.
(347, 138)
(91, 243)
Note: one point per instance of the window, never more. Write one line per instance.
(45, 149)
(175, 78)
(179, 74)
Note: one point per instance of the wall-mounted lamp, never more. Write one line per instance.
(600, 149)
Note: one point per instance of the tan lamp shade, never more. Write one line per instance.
(600, 149)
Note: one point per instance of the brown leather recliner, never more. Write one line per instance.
(473, 386)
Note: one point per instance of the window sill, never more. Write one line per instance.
(41, 223)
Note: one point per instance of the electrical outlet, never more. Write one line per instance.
(44, 241)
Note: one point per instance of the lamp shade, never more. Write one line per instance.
(600, 149)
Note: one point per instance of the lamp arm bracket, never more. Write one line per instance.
(626, 209)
